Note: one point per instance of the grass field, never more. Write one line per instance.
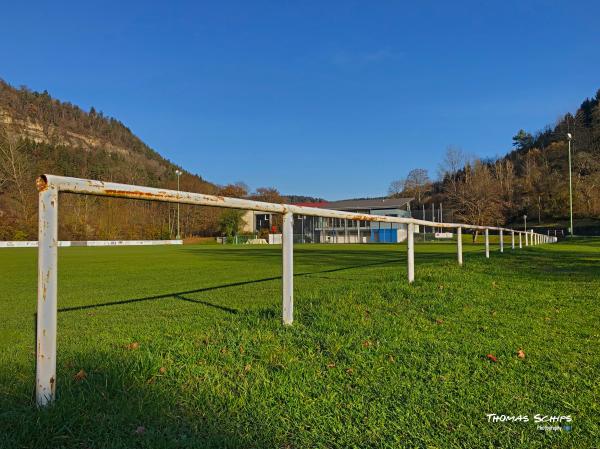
(184, 347)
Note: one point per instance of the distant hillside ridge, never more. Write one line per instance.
(40, 134)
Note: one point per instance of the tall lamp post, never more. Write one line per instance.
(569, 137)
(178, 173)
(525, 219)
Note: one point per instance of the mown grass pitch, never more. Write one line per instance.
(184, 347)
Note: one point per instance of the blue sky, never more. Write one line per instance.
(332, 99)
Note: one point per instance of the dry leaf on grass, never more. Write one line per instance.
(521, 354)
(81, 375)
(133, 346)
(140, 430)
(492, 357)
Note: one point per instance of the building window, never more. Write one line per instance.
(263, 221)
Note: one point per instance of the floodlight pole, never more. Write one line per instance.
(569, 137)
(501, 241)
(512, 236)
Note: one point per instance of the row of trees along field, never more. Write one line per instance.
(532, 179)
(39, 134)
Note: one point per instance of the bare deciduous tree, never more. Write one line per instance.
(396, 188)
(417, 183)
(477, 196)
(13, 170)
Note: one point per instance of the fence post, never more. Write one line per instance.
(520, 240)
(512, 238)
(501, 241)
(531, 238)
(45, 372)
(288, 268)
(527, 239)
(487, 243)
(411, 252)
(459, 245)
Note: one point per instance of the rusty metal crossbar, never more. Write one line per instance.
(49, 187)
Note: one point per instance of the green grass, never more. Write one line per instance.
(369, 362)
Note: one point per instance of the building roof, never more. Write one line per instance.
(369, 203)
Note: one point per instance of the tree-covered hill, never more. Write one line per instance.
(532, 179)
(40, 134)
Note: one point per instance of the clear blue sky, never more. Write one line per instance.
(333, 99)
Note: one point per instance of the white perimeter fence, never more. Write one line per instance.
(62, 243)
(50, 186)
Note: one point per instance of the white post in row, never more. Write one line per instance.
(487, 243)
(531, 238)
(527, 239)
(459, 245)
(411, 252)
(501, 241)
(512, 238)
(520, 240)
(45, 372)
(288, 268)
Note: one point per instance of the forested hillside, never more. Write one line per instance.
(39, 134)
(531, 179)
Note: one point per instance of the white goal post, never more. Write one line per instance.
(49, 187)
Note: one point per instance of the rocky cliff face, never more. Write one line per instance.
(32, 130)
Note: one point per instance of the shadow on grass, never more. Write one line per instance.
(124, 401)
(531, 262)
(181, 294)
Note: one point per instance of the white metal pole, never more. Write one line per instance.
(178, 228)
(487, 243)
(501, 241)
(459, 245)
(527, 239)
(531, 238)
(411, 252)
(570, 188)
(512, 238)
(45, 372)
(288, 268)
(520, 240)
